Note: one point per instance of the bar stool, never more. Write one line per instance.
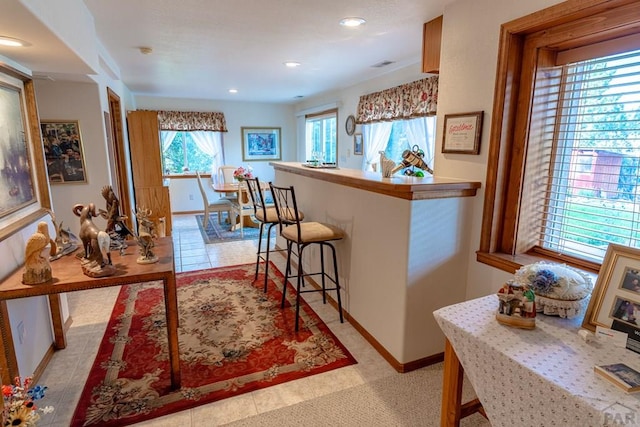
(266, 216)
(303, 234)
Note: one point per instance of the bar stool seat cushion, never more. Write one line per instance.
(311, 232)
(272, 216)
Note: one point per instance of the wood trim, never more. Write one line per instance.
(119, 152)
(402, 187)
(431, 44)
(48, 355)
(563, 26)
(8, 360)
(57, 320)
(451, 388)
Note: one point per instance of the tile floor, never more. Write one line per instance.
(90, 310)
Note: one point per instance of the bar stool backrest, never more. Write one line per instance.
(257, 198)
(284, 199)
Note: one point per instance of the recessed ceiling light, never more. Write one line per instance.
(352, 22)
(292, 64)
(233, 90)
(145, 50)
(13, 42)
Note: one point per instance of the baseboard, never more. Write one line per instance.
(399, 367)
(43, 364)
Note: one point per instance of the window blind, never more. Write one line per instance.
(582, 176)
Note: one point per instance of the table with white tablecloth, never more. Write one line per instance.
(538, 377)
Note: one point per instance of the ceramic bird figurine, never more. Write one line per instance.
(36, 266)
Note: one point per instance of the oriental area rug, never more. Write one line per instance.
(217, 233)
(233, 338)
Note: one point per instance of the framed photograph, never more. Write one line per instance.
(63, 151)
(462, 133)
(16, 180)
(260, 143)
(357, 144)
(616, 296)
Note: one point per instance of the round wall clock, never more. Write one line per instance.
(350, 125)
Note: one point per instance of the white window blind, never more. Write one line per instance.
(582, 177)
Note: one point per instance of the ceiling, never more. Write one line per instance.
(203, 48)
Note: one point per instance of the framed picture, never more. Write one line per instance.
(63, 151)
(260, 143)
(616, 295)
(462, 133)
(357, 144)
(16, 180)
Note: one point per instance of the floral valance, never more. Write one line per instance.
(188, 120)
(415, 99)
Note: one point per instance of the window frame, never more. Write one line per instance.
(526, 43)
(321, 115)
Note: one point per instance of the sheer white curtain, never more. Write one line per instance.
(210, 143)
(420, 132)
(375, 137)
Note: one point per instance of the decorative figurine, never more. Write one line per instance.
(36, 267)
(146, 234)
(96, 261)
(116, 227)
(386, 165)
(413, 158)
(517, 306)
(66, 241)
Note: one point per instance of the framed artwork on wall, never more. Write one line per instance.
(357, 144)
(261, 143)
(16, 180)
(23, 181)
(64, 152)
(462, 133)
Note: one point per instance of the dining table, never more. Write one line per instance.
(244, 200)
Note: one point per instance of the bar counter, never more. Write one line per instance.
(403, 187)
(404, 254)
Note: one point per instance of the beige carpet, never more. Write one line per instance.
(411, 399)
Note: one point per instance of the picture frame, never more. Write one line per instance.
(261, 143)
(615, 290)
(64, 151)
(19, 119)
(462, 133)
(358, 148)
(17, 183)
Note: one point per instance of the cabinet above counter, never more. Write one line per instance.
(400, 186)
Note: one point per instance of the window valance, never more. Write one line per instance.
(192, 121)
(415, 99)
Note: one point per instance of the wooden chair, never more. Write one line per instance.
(303, 234)
(225, 176)
(218, 205)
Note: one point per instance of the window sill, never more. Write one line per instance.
(511, 263)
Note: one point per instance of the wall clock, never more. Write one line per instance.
(350, 125)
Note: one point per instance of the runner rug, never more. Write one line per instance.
(233, 338)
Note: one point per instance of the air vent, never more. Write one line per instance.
(382, 64)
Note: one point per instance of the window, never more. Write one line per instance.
(563, 178)
(321, 135)
(184, 151)
(397, 136)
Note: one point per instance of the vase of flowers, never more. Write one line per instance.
(19, 403)
(242, 173)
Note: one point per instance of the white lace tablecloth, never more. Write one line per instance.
(539, 377)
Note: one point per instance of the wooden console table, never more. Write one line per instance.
(68, 277)
(537, 377)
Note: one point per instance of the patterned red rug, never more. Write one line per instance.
(233, 337)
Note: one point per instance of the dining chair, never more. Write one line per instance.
(219, 205)
(302, 235)
(225, 176)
